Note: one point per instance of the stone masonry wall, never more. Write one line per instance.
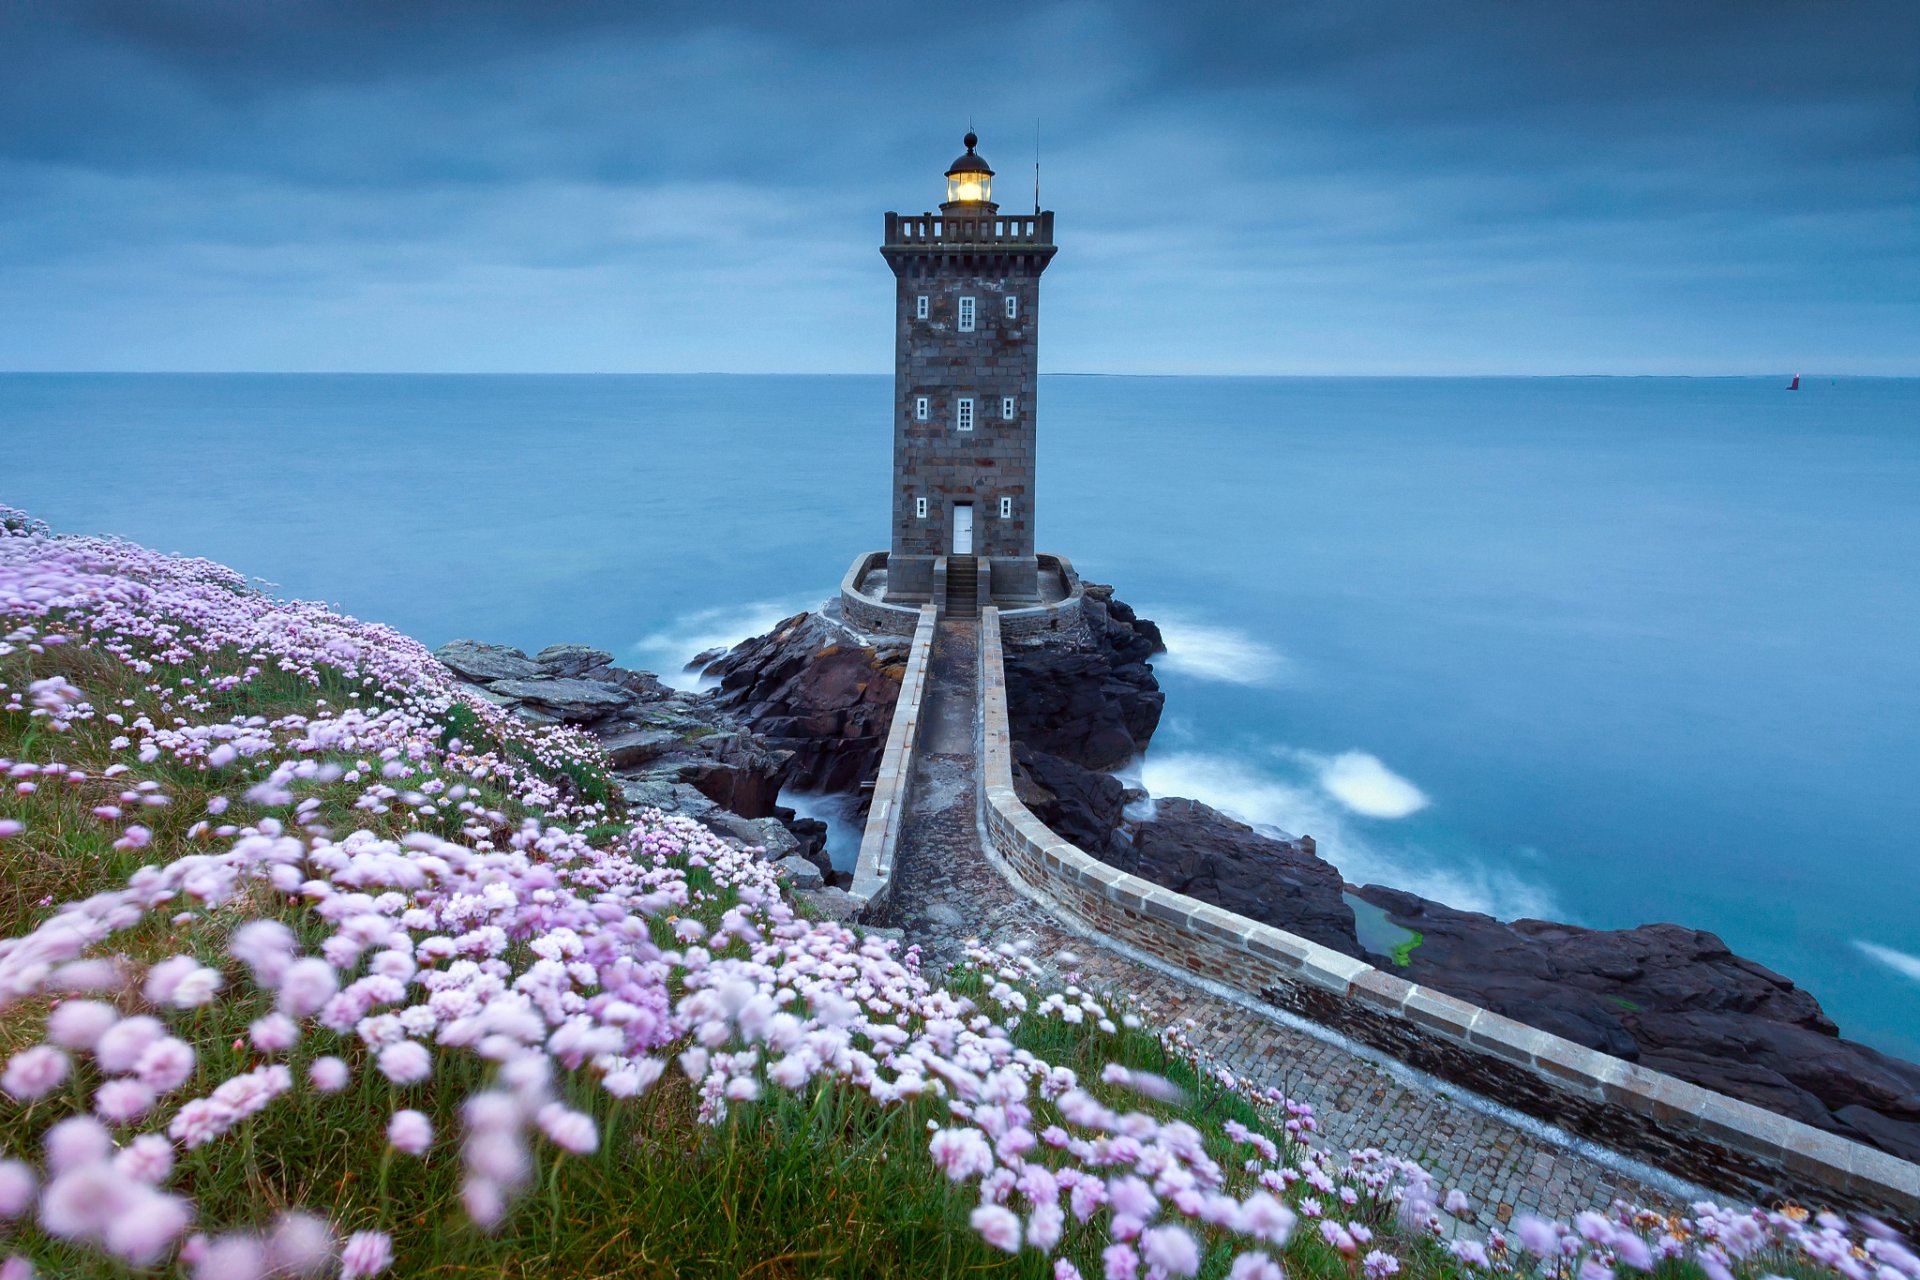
(1714, 1140)
(934, 459)
(879, 842)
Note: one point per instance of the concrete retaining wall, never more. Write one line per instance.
(1712, 1139)
(873, 874)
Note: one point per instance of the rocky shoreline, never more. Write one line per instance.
(808, 707)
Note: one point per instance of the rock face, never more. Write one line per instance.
(1673, 999)
(1095, 704)
(1078, 804)
(1206, 855)
(820, 690)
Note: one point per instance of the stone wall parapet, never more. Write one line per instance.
(869, 613)
(1714, 1140)
(879, 842)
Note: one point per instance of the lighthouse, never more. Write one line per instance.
(966, 364)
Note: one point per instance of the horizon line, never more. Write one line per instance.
(815, 373)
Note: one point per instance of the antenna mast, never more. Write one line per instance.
(1036, 166)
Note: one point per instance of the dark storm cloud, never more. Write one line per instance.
(1462, 187)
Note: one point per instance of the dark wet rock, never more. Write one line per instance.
(1673, 999)
(1204, 854)
(571, 700)
(820, 690)
(1079, 804)
(706, 658)
(481, 662)
(1095, 703)
(566, 660)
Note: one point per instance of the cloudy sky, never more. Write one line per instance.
(1343, 187)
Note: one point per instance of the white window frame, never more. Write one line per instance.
(1006, 408)
(1006, 508)
(919, 508)
(1013, 307)
(922, 408)
(966, 315)
(963, 414)
(920, 307)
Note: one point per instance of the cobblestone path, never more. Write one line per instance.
(946, 892)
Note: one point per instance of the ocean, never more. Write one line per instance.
(1607, 650)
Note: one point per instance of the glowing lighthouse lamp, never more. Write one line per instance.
(969, 183)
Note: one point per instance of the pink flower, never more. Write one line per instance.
(231, 1257)
(997, 1226)
(406, 1062)
(1170, 1251)
(368, 1253)
(328, 1075)
(1044, 1225)
(32, 1073)
(150, 1221)
(16, 1268)
(301, 1245)
(79, 1024)
(1537, 1235)
(10, 827)
(1266, 1218)
(76, 1141)
(410, 1132)
(81, 1202)
(148, 1158)
(165, 1064)
(569, 1130)
(1256, 1266)
(120, 1046)
(1457, 1203)
(122, 1101)
(17, 1185)
(1119, 1262)
(961, 1153)
(134, 837)
(306, 985)
(274, 1033)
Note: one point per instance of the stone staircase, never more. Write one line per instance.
(963, 587)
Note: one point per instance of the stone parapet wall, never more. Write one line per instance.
(873, 873)
(1063, 619)
(1717, 1141)
(868, 613)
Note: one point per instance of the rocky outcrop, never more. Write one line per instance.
(1673, 999)
(669, 749)
(1204, 854)
(819, 690)
(1094, 703)
(1078, 804)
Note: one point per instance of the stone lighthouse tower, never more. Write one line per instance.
(966, 344)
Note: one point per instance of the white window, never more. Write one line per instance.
(963, 414)
(920, 508)
(921, 408)
(1006, 508)
(1006, 408)
(920, 307)
(1013, 307)
(966, 315)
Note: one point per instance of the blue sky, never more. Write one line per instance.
(1350, 187)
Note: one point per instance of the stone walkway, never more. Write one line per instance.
(946, 891)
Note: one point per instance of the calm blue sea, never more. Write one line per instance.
(1608, 650)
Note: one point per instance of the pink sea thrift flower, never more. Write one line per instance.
(165, 1064)
(306, 985)
(10, 827)
(79, 1024)
(1170, 1251)
(367, 1253)
(568, 1129)
(76, 1141)
(123, 1100)
(120, 1046)
(32, 1073)
(301, 1245)
(17, 1185)
(1256, 1266)
(148, 1158)
(410, 1132)
(328, 1074)
(275, 1033)
(406, 1062)
(997, 1226)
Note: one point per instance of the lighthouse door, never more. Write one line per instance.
(963, 529)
